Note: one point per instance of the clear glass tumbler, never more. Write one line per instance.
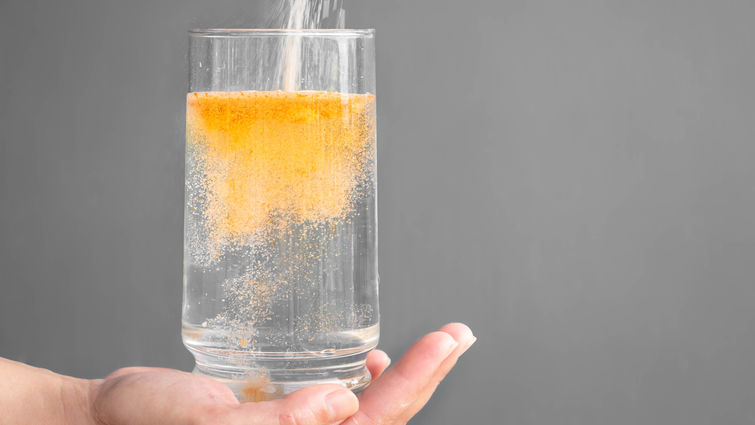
(280, 223)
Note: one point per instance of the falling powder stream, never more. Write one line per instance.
(305, 14)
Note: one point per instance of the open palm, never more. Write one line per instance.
(141, 396)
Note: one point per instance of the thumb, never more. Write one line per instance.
(315, 405)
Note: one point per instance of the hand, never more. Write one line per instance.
(136, 396)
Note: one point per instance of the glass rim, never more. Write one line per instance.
(279, 32)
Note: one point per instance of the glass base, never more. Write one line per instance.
(268, 379)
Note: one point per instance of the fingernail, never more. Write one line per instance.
(470, 342)
(342, 403)
(450, 345)
(387, 358)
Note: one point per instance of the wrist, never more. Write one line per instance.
(77, 400)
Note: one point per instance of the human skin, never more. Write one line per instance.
(141, 395)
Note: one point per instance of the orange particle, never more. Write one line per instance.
(268, 156)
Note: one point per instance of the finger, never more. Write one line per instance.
(386, 400)
(377, 362)
(315, 405)
(461, 334)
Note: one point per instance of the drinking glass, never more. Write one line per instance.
(280, 220)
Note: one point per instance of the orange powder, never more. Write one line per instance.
(257, 387)
(267, 156)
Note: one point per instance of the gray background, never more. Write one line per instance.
(573, 179)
